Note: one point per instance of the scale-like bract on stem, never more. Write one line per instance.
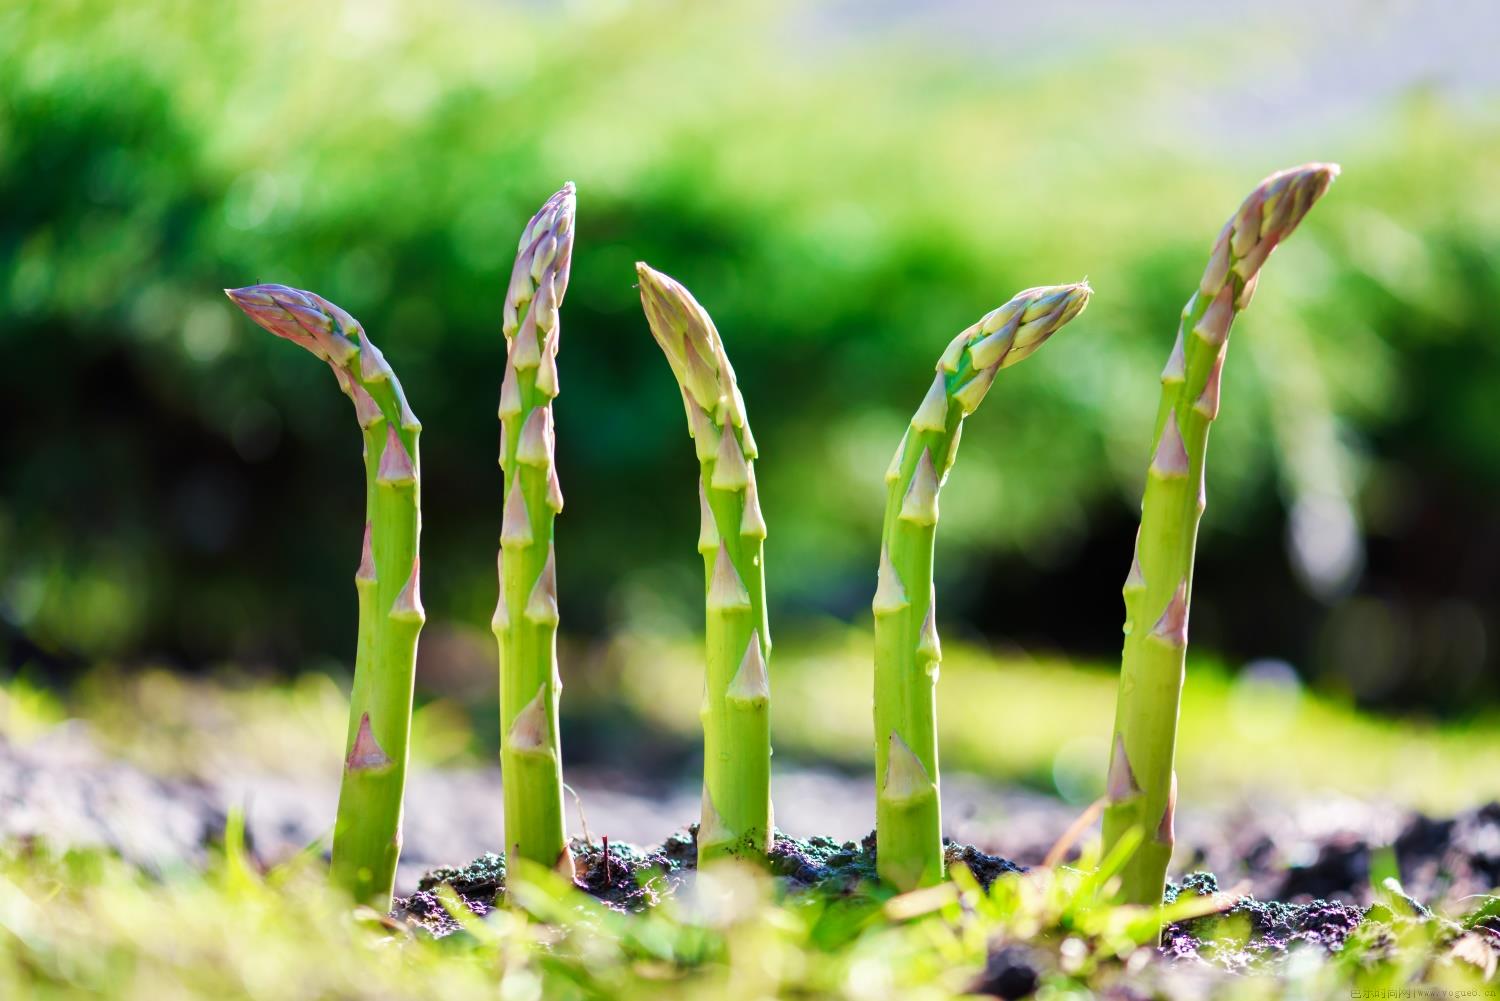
(736, 819)
(908, 817)
(1142, 785)
(367, 830)
(525, 622)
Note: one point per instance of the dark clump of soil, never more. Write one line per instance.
(1248, 931)
(628, 878)
(623, 876)
(986, 868)
(1011, 971)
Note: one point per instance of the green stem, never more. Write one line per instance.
(908, 813)
(1142, 782)
(526, 615)
(736, 818)
(367, 829)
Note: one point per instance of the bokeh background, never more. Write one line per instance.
(844, 185)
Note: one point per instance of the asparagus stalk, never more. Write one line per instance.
(367, 830)
(525, 622)
(908, 819)
(1142, 785)
(736, 818)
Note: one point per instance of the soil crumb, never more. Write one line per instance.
(629, 878)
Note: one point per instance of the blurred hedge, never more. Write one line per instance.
(173, 480)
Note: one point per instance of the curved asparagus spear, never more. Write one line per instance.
(1142, 786)
(367, 831)
(736, 817)
(525, 622)
(908, 820)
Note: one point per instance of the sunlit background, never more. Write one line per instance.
(845, 186)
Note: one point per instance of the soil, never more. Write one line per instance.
(1243, 934)
(1302, 872)
(628, 878)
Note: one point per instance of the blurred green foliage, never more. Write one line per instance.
(174, 480)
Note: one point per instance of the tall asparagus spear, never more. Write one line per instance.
(1142, 786)
(525, 622)
(908, 819)
(736, 818)
(367, 830)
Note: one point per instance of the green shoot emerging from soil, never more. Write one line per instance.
(908, 815)
(367, 831)
(1142, 786)
(525, 622)
(736, 818)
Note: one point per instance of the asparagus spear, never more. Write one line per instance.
(908, 821)
(736, 818)
(525, 622)
(1142, 786)
(367, 831)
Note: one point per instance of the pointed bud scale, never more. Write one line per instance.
(747, 441)
(972, 394)
(535, 445)
(991, 350)
(1217, 270)
(711, 827)
(525, 350)
(951, 456)
(365, 754)
(409, 420)
(1213, 327)
(905, 778)
(1247, 292)
(708, 530)
(366, 410)
(1166, 829)
(1176, 370)
(500, 621)
(1006, 317)
(408, 604)
(529, 730)
(751, 685)
(515, 524)
(929, 649)
(1246, 233)
(510, 393)
(920, 505)
(1121, 785)
(1135, 580)
(932, 415)
(752, 524)
(1171, 458)
(554, 491)
(730, 471)
(372, 364)
(546, 249)
(1207, 403)
(699, 377)
(705, 435)
(893, 471)
(890, 593)
(546, 375)
(953, 354)
(396, 467)
(1250, 265)
(541, 607)
(366, 572)
(726, 591)
(544, 306)
(1171, 628)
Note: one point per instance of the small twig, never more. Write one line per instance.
(583, 818)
